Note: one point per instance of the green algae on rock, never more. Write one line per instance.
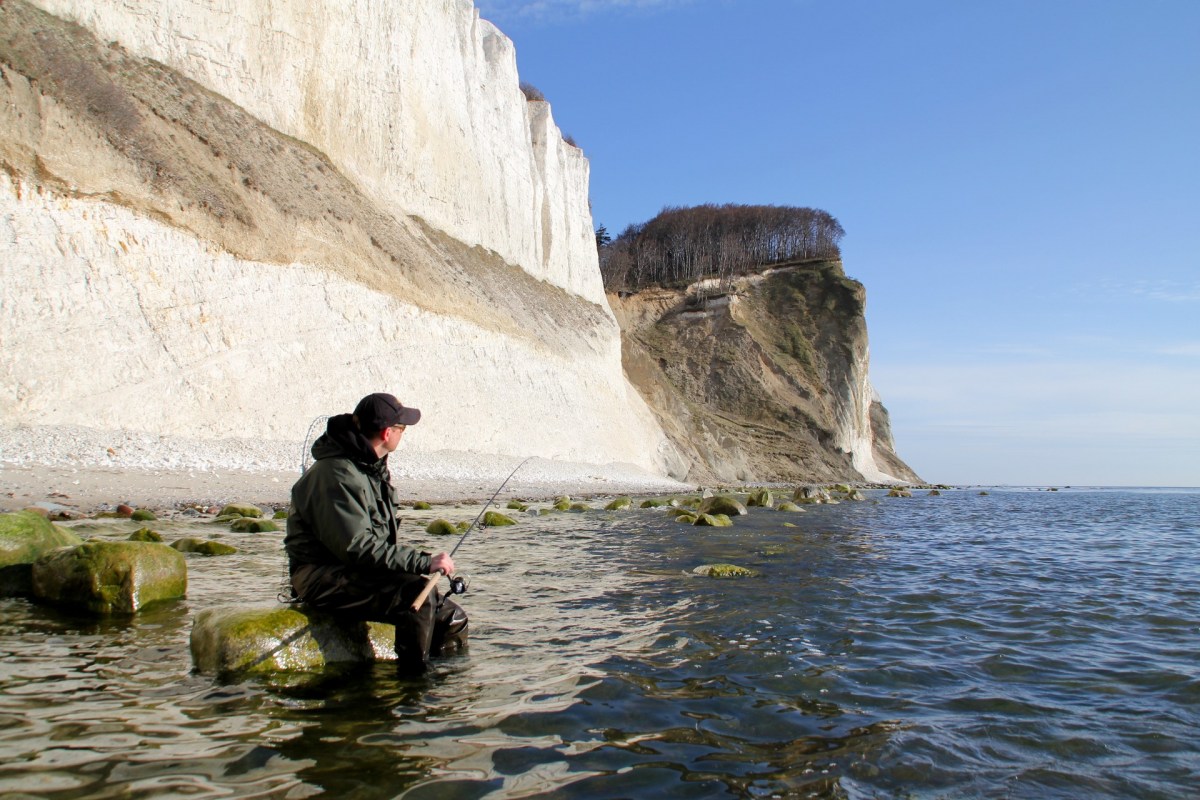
(110, 577)
(441, 527)
(722, 504)
(713, 520)
(761, 498)
(788, 506)
(619, 504)
(145, 535)
(209, 548)
(494, 519)
(25, 536)
(517, 505)
(421, 505)
(143, 515)
(240, 510)
(725, 571)
(261, 640)
(251, 525)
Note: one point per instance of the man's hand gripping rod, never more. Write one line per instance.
(432, 579)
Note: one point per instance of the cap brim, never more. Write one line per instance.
(409, 416)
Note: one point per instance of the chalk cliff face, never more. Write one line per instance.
(219, 221)
(764, 380)
(222, 220)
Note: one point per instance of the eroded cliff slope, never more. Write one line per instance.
(763, 380)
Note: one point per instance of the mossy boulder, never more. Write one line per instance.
(725, 571)
(761, 498)
(713, 520)
(722, 504)
(143, 515)
(934, 493)
(579, 507)
(652, 503)
(562, 503)
(687, 518)
(263, 640)
(281, 513)
(110, 577)
(811, 494)
(209, 548)
(441, 527)
(788, 506)
(840, 488)
(517, 505)
(494, 519)
(899, 493)
(619, 504)
(421, 505)
(145, 535)
(852, 494)
(25, 536)
(251, 525)
(240, 510)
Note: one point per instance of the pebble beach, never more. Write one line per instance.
(85, 470)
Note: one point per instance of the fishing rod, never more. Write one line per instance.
(457, 584)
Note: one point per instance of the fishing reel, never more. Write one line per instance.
(459, 584)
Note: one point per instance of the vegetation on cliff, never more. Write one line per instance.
(681, 245)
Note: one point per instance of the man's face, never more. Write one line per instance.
(392, 436)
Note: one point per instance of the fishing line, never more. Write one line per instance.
(458, 585)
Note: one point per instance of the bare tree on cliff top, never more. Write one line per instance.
(682, 245)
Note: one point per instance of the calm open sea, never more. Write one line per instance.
(1017, 644)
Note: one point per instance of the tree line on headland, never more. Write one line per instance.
(682, 245)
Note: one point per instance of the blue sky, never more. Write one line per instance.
(1019, 181)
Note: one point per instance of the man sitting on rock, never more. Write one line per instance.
(341, 537)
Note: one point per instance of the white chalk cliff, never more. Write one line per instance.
(221, 220)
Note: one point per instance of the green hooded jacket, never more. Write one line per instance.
(344, 508)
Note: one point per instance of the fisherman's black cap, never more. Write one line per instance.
(380, 410)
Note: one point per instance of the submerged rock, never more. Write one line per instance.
(619, 504)
(145, 535)
(274, 638)
(811, 494)
(110, 577)
(143, 515)
(722, 504)
(240, 510)
(209, 548)
(652, 503)
(517, 505)
(441, 527)
(25, 536)
(713, 520)
(562, 503)
(725, 571)
(494, 519)
(899, 493)
(251, 525)
(761, 498)
(787, 506)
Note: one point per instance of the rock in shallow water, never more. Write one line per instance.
(265, 639)
(110, 577)
(24, 538)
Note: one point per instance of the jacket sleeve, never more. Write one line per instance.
(342, 519)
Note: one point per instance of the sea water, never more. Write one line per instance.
(1018, 643)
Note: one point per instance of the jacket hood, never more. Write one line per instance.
(342, 439)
